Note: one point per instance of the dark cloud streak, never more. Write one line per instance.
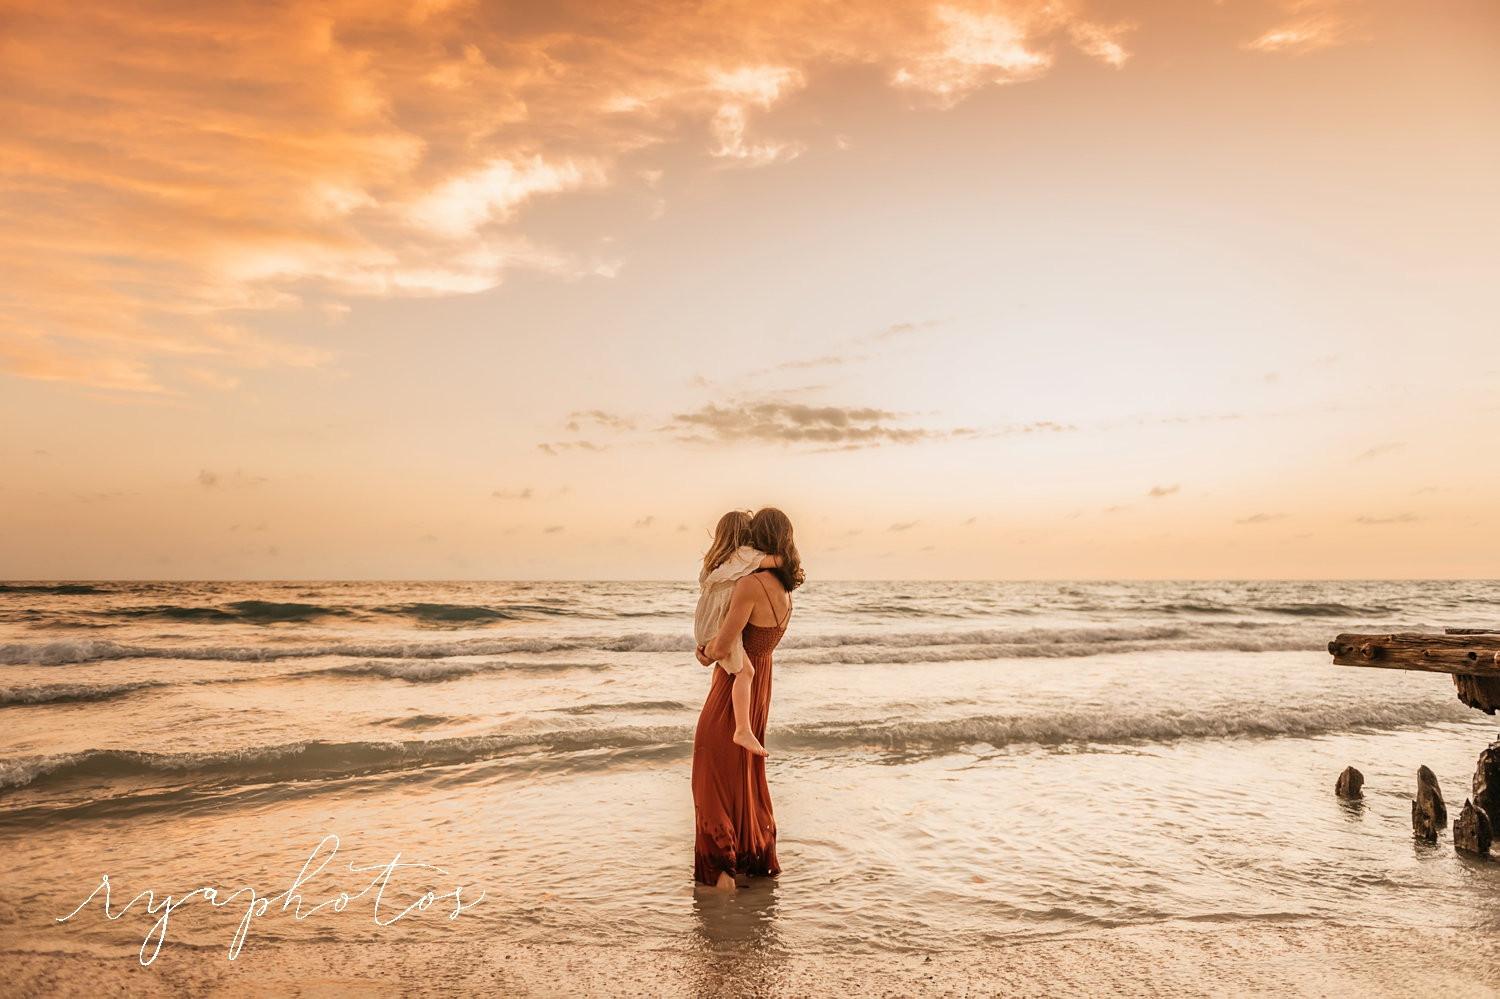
(791, 423)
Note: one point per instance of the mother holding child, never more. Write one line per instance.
(744, 605)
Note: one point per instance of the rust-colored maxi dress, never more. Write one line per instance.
(736, 829)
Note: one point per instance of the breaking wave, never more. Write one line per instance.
(317, 760)
(314, 760)
(877, 645)
(1328, 610)
(78, 651)
(54, 693)
(435, 671)
(449, 613)
(1102, 728)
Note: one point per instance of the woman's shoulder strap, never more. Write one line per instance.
(774, 616)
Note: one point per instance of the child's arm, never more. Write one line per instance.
(733, 567)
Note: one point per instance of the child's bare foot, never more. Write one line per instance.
(726, 882)
(746, 738)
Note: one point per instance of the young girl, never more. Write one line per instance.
(727, 559)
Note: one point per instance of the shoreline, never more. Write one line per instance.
(1164, 959)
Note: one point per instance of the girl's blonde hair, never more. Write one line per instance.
(732, 533)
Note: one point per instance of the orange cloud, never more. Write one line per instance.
(168, 166)
(1314, 24)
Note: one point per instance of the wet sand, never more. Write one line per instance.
(1164, 960)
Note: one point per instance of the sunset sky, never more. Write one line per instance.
(1004, 290)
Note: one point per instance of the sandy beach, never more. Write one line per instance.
(1336, 962)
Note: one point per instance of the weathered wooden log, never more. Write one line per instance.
(1428, 813)
(1471, 655)
(1350, 784)
(1472, 832)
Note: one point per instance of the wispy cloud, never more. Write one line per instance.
(1260, 518)
(742, 90)
(1201, 418)
(843, 352)
(1380, 449)
(901, 329)
(904, 525)
(512, 494)
(598, 417)
(973, 48)
(785, 422)
(1310, 25)
(826, 360)
(1400, 518)
(797, 423)
(228, 480)
(1157, 492)
(555, 448)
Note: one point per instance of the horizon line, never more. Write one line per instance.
(1047, 579)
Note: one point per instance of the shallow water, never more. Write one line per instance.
(954, 764)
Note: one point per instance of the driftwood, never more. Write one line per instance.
(1487, 780)
(1470, 655)
(1471, 830)
(1428, 814)
(1349, 784)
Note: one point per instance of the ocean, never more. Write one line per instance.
(955, 767)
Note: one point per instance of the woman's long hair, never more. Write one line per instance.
(732, 532)
(771, 532)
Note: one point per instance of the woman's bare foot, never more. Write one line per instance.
(746, 738)
(726, 882)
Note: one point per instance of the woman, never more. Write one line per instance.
(736, 830)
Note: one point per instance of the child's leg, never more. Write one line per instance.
(739, 696)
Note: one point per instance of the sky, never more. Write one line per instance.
(972, 290)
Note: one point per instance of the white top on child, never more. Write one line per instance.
(714, 590)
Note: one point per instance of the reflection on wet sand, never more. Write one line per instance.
(736, 938)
